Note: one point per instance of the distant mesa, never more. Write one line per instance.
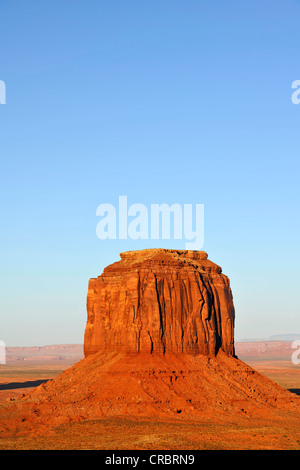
(286, 337)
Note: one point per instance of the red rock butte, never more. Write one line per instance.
(158, 301)
(158, 344)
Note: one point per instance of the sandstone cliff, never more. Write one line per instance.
(158, 301)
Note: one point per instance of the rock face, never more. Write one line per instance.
(157, 301)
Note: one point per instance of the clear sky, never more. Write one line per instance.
(164, 101)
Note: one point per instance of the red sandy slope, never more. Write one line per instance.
(157, 386)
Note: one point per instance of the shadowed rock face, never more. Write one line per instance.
(157, 301)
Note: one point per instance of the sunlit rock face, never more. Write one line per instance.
(156, 301)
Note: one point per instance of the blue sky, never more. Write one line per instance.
(165, 102)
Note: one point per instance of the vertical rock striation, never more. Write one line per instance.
(160, 300)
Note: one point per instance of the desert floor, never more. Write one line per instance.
(280, 432)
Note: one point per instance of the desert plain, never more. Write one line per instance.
(26, 368)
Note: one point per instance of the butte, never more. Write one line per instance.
(159, 342)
